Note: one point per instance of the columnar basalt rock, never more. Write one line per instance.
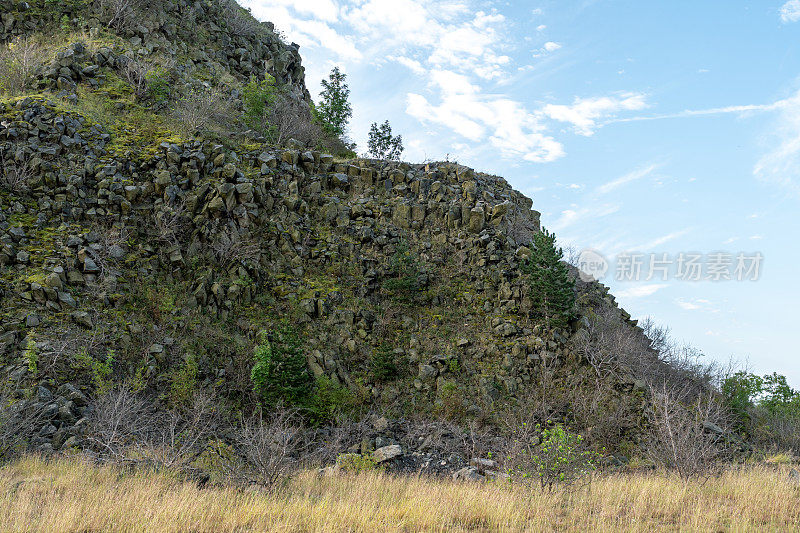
(161, 251)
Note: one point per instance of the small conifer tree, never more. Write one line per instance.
(280, 372)
(552, 288)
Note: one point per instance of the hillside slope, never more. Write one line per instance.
(134, 251)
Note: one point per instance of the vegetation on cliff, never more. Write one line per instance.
(188, 243)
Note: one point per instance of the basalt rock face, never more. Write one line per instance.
(187, 254)
(156, 259)
(204, 38)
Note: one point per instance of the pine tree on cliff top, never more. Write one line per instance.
(552, 288)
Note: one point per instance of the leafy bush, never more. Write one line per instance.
(552, 288)
(356, 463)
(31, 355)
(381, 143)
(183, 382)
(553, 456)
(258, 99)
(158, 84)
(280, 373)
(383, 363)
(329, 400)
(766, 408)
(101, 371)
(451, 401)
(403, 283)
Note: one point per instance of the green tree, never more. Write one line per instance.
(279, 372)
(381, 143)
(552, 287)
(740, 391)
(334, 109)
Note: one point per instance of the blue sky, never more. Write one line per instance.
(655, 127)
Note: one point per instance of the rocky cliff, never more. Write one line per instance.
(133, 252)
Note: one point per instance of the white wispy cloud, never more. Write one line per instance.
(663, 240)
(734, 109)
(634, 175)
(410, 63)
(696, 304)
(590, 211)
(790, 11)
(308, 24)
(780, 165)
(641, 291)
(467, 111)
(584, 113)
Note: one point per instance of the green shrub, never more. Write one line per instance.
(403, 284)
(356, 463)
(329, 400)
(258, 99)
(279, 372)
(451, 401)
(766, 408)
(101, 371)
(384, 363)
(158, 84)
(553, 456)
(31, 355)
(183, 382)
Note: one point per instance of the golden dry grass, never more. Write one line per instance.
(71, 495)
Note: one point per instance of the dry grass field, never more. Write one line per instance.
(72, 495)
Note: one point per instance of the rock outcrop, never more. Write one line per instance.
(130, 251)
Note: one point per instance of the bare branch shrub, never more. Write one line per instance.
(204, 109)
(118, 420)
(592, 405)
(18, 62)
(146, 76)
(688, 432)
(235, 248)
(650, 354)
(107, 251)
(20, 420)
(135, 72)
(16, 172)
(239, 20)
(291, 118)
(123, 15)
(171, 223)
(179, 436)
(270, 446)
(336, 439)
